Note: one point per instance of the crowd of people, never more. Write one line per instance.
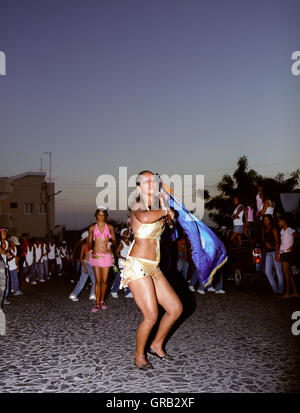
(276, 236)
(33, 260)
(99, 250)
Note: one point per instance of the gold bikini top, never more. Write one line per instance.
(152, 231)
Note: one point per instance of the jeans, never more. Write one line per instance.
(217, 280)
(46, 270)
(83, 279)
(270, 263)
(7, 284)
(183, 267)
(116, 284)
(39, 270)
(14, 279)
(76, 270)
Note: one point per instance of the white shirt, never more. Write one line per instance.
(12, 265)
(287, 239)
(51, 254)
(38, 253)
(63, 252)
(45, 257)
(239, 219)
(123, 252)
(29, 257)
(269, 210)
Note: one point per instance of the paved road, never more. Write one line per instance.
(238, 342)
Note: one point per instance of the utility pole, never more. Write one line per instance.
(45, 201)
(50, 164)
(45, 198)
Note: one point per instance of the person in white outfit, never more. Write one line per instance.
(38, 263)
(121, 254)
(238, 223)
(58, 255)
(267, 207)
(13, 266)
(52, 258)
(29, 264)
(5, 255)
(45, 250)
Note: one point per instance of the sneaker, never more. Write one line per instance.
(191, 288)
(47, 278)
(27, 279)
(92, 297)
(114, 295)
(201, 292)
(42, 281)
(220, 292)
(18, 292)
(34, 283)
(211, 289)
(73, 298)
(6, 302)
(95, 309)
(103, 306)
(72, 281)
(129, 295)
(60, 274)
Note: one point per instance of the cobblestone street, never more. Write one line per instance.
(237, 342)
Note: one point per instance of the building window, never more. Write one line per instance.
(13, 205)
(42, 209)
(28, 208)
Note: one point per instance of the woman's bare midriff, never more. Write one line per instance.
(100, 246)
(144, 248)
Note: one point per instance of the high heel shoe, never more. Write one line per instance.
(146, 366)
(153, 353)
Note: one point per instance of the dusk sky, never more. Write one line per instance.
(175, 86)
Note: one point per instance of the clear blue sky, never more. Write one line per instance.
(177, 86)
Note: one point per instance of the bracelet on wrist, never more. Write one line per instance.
(165, 209)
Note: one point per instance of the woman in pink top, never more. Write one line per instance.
(101, 258)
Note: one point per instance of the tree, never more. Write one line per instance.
(243, 184)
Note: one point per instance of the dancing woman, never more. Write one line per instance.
(142, 274)
(101, 258)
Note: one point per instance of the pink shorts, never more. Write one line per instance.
(102, 260)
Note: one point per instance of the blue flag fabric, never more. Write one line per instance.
(208, 251)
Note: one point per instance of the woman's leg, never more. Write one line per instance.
(104, 278)
(233, 236)
(144, 295)
(286, 273)
(294, 288)
(169, 300)
(97, 273)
